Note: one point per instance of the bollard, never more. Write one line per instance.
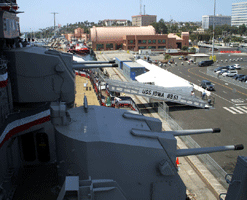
(217, 61)
(175, 64)
(182, 63)
(221, 60)
(230, 60)
(226, 60)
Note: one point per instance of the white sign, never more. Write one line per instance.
(163, 95)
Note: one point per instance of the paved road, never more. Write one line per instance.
(230, 113)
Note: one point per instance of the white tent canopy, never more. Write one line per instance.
(164, 78)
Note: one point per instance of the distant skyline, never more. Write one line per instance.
(37, 14)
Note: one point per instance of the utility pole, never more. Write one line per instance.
(213, 30)
(140, 7)
(54, 20)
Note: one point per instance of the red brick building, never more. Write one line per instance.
(135, 38)
(78, 33)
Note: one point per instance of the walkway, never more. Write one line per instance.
(83, 86)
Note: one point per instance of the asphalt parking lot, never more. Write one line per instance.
(229, 113)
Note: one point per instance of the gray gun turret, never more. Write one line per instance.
(41, 75)
(124, 148)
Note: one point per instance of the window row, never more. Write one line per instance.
(151, 47)
(147, 41)
(108, 46)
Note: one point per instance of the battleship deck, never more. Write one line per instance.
(82, 84)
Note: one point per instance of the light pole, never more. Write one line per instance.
(54, 21)
(213, 30)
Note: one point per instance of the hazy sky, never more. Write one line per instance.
(37, 14)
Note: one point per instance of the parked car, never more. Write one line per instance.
(243, 79)
(237, 76)
(230, 73)
(205, 63)
(231, 67)
(237, 66)
(207, 85)
(219, 68)
(221, 71)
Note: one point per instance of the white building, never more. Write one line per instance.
(239, 14)
(120, 22)
(207, 20)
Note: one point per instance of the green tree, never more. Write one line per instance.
(193, 50)
(167, 56)
(185, 48)
(160, 27)
(242, 29)
(193, 37)
(227, 39)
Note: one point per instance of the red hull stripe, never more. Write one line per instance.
(3, 83)
(23, 124)
(83, 74)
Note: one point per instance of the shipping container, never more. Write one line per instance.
(133, 69)
(120, 61)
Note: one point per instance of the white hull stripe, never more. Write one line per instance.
(4, 77)
(23, 124)
(3, 80)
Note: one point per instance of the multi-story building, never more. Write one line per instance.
(218, 20)
(143, 20)
(78, 34)
(135, 38)
(155, 42)
(239, 14)
(110, 22)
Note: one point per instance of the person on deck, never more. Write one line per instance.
(117, 99)
(108, 100)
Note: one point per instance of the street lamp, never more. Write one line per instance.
(213, 30)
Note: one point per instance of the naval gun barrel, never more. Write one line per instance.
(196, 151)
(90, 66)
(96, 62)
(93, 64)
(193, 132)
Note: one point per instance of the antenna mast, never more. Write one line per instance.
(140, 7)
(54, 19)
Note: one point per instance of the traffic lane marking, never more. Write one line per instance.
(215, 82)
(229, 110)
(213, 94)
(241, 109)
(236, 110)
